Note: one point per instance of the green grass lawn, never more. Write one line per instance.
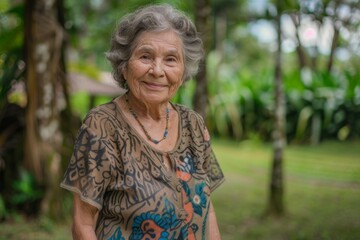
(322, 195)
(322, 192)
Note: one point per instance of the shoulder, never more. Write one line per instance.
(101, 112)
(191, 119)
(101, 121)
(188, 113)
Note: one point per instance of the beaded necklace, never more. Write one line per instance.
(166, 131)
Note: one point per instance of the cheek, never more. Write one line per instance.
(175, 86)
(125, 73)
(177, 80)
(178, 77)
(131, 76)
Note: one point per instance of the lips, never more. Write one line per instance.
(153, 85)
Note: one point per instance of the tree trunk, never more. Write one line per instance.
(333, 48)
(276, 203)
(220, 31)
(295, 17)
(43, 53)
(32, 151)
(203, 24)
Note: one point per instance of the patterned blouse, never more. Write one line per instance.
(117, 171)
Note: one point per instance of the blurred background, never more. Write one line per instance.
(279, 89)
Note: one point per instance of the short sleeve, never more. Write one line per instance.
(212, 166)
(88, 172)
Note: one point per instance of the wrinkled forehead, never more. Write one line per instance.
(168, 36)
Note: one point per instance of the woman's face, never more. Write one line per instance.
(156, 67)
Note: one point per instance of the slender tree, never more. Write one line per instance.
(302, 57)
(203, 24)
(276, 193)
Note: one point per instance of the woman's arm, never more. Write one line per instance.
(85, 216)
(214, 228)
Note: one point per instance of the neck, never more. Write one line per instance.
(135, 115)
(154, 111)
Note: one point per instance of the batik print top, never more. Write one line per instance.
(116, 170)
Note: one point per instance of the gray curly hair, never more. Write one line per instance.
(154, 18)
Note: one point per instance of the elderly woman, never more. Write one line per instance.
(143, 167)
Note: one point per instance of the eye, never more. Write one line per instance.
(171, 59)
(145, 56)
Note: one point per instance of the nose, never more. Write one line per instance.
(157, 69)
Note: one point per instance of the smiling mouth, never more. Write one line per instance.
(155, 85)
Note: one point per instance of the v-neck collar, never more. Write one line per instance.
(143, 141)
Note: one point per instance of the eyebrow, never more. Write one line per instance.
(144, 49)
(150, 49)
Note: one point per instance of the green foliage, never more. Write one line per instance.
(10, 72)
(4, 5)
(238, 104)
(319, 105)
(185, 94)
(26, 189)
(86, 68)
(322, 105)
(11, 40)
(81, 103)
